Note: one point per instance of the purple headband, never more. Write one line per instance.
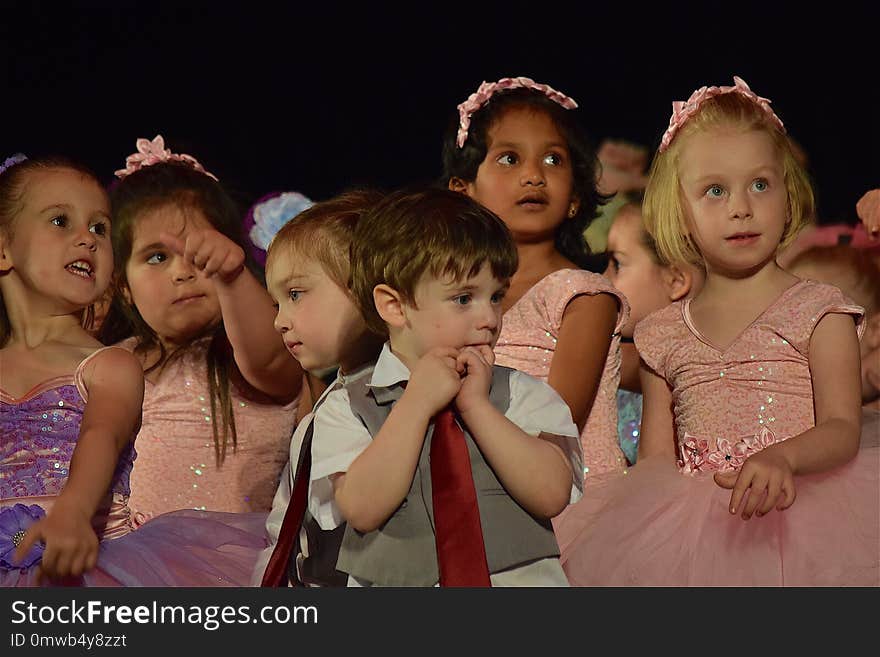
(486, 90)
(12, 160)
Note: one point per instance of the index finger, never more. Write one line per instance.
(173, 242)
(743, 481)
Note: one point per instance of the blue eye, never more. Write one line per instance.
(507, 159)
(156, 258)
(498, 297)
(60, 220)
(760, 185)
(294, 295)
(462, 299)
(715, 191)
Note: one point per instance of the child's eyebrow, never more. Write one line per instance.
(153, 246)
(56, 206)
(511, 144)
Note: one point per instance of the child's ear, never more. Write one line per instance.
(458, 185)
(389, 304)
(678, 281)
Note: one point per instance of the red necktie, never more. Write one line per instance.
(461, 554)
(276, 573)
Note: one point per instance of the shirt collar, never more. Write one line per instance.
(389, 369)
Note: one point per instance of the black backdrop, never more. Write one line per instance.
(317, 97)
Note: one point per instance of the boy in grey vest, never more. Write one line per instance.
(429, 271)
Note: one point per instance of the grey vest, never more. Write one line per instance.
(403, 552)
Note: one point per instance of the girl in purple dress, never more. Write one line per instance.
(69, 408)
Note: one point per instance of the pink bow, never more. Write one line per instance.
(486, 90)
(153, 152)
(683, 110)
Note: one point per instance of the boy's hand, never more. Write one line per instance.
(768, 480)
(71, 543)
(209, 251)
(476, 365)
(435, 379)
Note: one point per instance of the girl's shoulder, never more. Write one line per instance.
(657, 333)
(802, 307)
(110, 364)
(558, 288)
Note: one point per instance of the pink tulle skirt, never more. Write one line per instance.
(181, 548)
(654, 526)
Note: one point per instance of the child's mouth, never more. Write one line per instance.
(81, 268)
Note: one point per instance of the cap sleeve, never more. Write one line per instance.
(654, 336)
(571, 283)
(79, 374)
(809, 304)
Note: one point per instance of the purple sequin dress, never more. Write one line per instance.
(38, 433)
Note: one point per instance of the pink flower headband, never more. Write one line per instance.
(683, 110)
(482, 95)
(153, 152)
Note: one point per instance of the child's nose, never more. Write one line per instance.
(87, 239)
(182, 271)
(740, 206)
(531, 173)
(281, 324)
(488, 318)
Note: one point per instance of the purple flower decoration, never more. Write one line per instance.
(14, 522)
(12, 160)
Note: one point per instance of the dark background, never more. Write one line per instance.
(321, 96)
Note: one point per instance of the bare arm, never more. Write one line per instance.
(657, 436)
(835, 370)
(581, 352)
(379, 479)
(248, 313)
(834, 440)
(248, 316)
(533, 470)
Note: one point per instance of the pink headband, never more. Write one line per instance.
(683, 110)
(482, 95)
(153, 152)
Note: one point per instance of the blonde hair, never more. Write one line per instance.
(324, 232)
(662, 209)
(434, 231)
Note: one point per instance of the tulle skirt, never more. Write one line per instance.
(181, 548)
(655, 526)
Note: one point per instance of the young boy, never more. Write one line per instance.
(307, 272)
(429, 270)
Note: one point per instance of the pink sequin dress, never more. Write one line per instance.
(176, 466)
(668, 525)
(38, 434)
(528, 341)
